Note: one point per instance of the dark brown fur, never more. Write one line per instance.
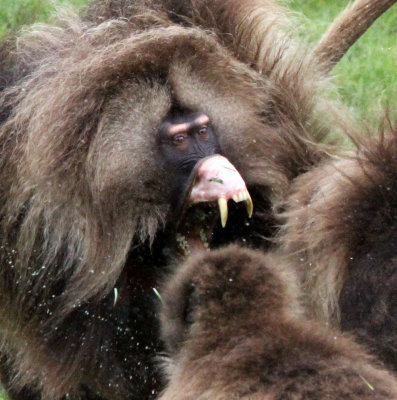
(340, 232)
(232, 325)
(84, 200)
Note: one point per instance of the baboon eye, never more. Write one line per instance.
(203, 130)
(178, 139)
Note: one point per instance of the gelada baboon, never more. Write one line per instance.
(233, 329)
(113, 124)
(340, 231)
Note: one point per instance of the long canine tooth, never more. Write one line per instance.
(249, 205)
(116, 296)
(222, 204)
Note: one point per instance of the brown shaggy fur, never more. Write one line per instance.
(84, 200)
(341, 233)
(232, 325)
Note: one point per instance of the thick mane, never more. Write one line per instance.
(72, 70)
(57, 232)
(73, 84)
(255, 31)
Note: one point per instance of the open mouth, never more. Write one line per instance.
(197, 223)
(213, 182)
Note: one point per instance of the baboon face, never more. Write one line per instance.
(169, 150)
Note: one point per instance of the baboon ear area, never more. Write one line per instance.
(212, 288)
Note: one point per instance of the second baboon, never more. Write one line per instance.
(339, 230)
(232, 326)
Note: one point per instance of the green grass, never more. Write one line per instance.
(16, 13)
(366, 76)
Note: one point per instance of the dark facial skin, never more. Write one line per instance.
(186, 138)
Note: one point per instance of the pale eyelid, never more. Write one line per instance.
(179, 128)
(182, 128)
(202, 120)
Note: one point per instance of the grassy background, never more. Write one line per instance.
(16, 13)
(366, 76)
